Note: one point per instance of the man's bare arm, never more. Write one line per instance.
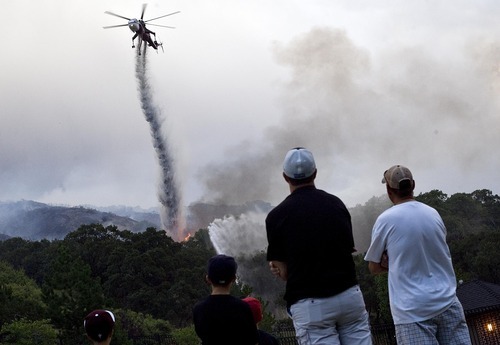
(376, 268)
(382, 267)
(279, 269)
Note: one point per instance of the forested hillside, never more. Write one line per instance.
(152, 282)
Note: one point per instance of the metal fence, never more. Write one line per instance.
(285, 334)
(383, 334)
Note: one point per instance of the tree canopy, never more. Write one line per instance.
(153, 282)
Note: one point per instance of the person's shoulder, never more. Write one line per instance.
(386, 215)
(281, 207)
(412, 205)
(201, 303)
(331, 198)
(421, 204)
(323, 193)
(429, 209)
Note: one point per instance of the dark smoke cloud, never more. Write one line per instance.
(168, 194)
(361, 113)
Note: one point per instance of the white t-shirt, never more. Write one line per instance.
(422, 281)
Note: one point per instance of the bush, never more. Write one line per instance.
(186, 336)
(25, 332)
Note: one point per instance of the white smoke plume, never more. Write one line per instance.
(360, 112)
(168, 193)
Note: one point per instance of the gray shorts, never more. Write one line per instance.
(336, 320)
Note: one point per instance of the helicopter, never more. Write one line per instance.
(138, 27)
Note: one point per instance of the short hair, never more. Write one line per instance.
(405, 190)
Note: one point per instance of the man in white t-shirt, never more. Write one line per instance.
(409, 242)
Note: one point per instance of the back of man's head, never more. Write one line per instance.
(400, 179)
(221, 269)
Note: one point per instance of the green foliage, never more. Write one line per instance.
(476, 256)
(20, 297)
(188, 283)
(435, 198)
(30, 256)
(152, 282)
(367, 284)
(70, 292)
(186, 336)
(136, 324)
(382, 291)
(26, 332)
(465, 214)
(146, 271)
(268, 319)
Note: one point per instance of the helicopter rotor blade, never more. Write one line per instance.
(166, 15)
(163, 26)
(116, 15)
(114, 26)
(143, 10)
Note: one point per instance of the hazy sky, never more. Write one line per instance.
(362, 84)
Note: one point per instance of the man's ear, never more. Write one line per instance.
(207, 280)
(389, 191)
(287, 179)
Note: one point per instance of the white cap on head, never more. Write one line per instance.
(299, 163)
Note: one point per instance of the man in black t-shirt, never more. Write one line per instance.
(222, 319)
(310, 247)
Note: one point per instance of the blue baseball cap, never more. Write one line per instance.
(299, 163)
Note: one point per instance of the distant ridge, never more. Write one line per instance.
(35, 221)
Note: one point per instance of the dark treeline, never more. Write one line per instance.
(152, 282)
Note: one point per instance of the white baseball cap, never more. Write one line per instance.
(299, 163)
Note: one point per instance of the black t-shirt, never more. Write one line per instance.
(224, 320)
(311, 231)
